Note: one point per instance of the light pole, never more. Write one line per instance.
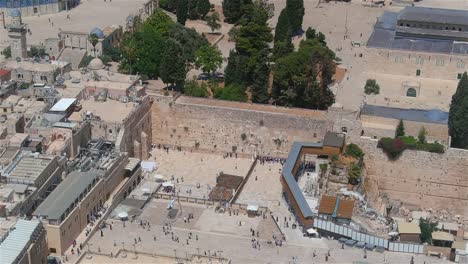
(175, 254)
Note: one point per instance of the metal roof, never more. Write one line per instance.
(132, 164)
(62, 105)
(288, 176)
(426, 116)
(333, 139)
(17, 242)
(434, 15)
(442, 236)
(55, 205)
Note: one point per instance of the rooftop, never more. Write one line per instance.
(434, 15)
(340, 208)
(33, 66)
(56, 204)
(425, 116)
(408, 228)
(119, 112)
(333, 139)
(17, 242)
(442, 236)
(63, 104)
(29, 168)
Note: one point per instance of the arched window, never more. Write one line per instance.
(411, 92)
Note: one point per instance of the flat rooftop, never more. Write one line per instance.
(425, 116)
(434, 15)
(56, 204)
(109, 111)
(29, 168)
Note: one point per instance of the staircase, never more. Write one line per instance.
(74, 56)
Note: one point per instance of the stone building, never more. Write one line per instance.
(42, 72)
(73, 205)
(25, 244)
(17, 35)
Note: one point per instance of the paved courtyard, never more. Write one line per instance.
(221, 234)
(196, 172)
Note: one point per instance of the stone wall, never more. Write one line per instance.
(420, 180)
(222, 126)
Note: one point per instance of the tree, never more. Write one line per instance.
(321, 38)
(182, 11)
(400, 130)
(371, 87)
(192, 11)
(354, 151)
(354, 173)
(93, 39)
(203, 7)
(172, 68)
(232, 10)
(233, 92)
(168, 5)
(213, 21)
(259, 87)
(283, 27)
(208, 58)
(310, 33)
(282, 49)
(192, 88)
(422, 135)
(427, 227)
(296, 12)
(236, 72)
(7, 52)
(458, 115)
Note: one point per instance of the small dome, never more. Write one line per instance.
(96, 31)
(95, 64)
(15, 13)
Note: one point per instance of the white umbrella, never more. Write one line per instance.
(146, 190)
(123, 215)
(393, 233)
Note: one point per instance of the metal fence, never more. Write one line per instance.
(348, 232)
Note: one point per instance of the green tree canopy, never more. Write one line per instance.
(458, 115)
(233, 9)
(182, 11)
(213, 21)
(400, 130)
(259, 87)
(371, 87)
(427, 227)
(302, 78)
(422, 135)
(172, 68)
(296, 13)
(208, 58)
(233, 92)
(203, 7)
(283, 30)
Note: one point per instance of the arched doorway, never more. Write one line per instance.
(411, 92)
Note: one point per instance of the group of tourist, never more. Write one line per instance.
(268, 159)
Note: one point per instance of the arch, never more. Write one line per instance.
(411, 92)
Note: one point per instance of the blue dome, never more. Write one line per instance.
(15, 13)
(96, 31)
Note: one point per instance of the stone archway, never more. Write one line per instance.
(411, 92)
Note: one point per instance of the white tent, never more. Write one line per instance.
(167, 184)
(148, 166)
(159, 177)
(311, 231)
(252, 208)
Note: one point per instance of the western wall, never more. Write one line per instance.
(223, 126)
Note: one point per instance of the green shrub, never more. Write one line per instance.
(392, 147)
(354, 173)
(192, 88)
(409, 140)
(354, 150)
(371, 87)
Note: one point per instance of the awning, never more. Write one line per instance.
(123, 215)
(252, 207)
(148, 166)
(132, 163)
(167, 184)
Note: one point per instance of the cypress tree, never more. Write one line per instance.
(182, 10)
(296, 14)
(259, 88)
(400, 130)
(236, 72)
(232, 10)
(172, 68)
(203, 7)
(283, 27)
(192, 11)
(458, 115)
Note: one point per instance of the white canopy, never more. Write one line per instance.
(312, 231)
(148, 166)
(252, 207)
(123, 215)
(393, 233)
(167, 184)
(158, 177)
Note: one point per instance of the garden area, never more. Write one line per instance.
(394, 147)
(347, 168)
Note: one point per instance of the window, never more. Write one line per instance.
(53, 250)
(460, 64)
(43, 78)
(35, 10)
(440, 62)
(411, 92)
(459, 76)
(20, 76)
(418, 72)
(110, 131)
